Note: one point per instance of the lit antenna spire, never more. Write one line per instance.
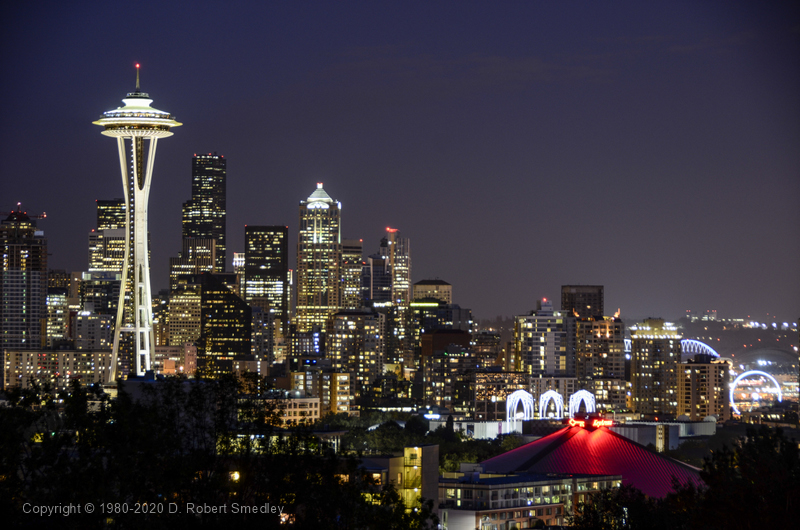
(137, 77)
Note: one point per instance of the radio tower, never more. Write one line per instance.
(136, 121)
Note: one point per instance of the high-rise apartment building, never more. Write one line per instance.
(356, 345)
(600, 348)
(319, 257)
(703, 388)
(205, 213)
(543, 345)
(23, 283)
(656, 351)
(266, 270)
(585, 300)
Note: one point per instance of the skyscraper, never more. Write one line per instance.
(542, 342)
(656, 352)
(108, 241)
(204, 214)
(351, 273)
(319, 253)
(266, 270)
(585, 300)
(136, 121)
(225, 326)
(23, 283)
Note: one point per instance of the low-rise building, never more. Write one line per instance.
(472, 499)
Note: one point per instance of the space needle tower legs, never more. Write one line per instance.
(136, 122)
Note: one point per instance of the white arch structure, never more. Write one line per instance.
(513, 400)
(747, 374)
(694, 347)
(544, 401)
(575, 402)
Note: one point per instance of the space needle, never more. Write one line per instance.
(135, 122)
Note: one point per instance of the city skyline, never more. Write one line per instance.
(649, 149)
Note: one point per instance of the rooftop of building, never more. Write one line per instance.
(597, 451)
(431, 282)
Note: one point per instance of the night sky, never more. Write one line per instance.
(653, 148)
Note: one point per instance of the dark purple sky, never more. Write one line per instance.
(652, 148)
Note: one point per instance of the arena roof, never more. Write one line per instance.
(597, 452)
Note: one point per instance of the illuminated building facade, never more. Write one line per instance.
(516, 500)
(93, 331)
(492, 389)
(600, 360)
(543, 344)
(443, 372)
(356, 345)
(266, 270)
(23, 283)
(584, 300)
(439, 289)
(108, 241)
(486, 345)
(57, 316)
(134, 123)
(204, 215)
(100, 292)
(600, 348)
(351, 273)
(332, 388)
(703, 388)
(197, 256)
(59, 368)
(319, 257)
(225, 326)
(656, 352)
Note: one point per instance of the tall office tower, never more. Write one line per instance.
(400, 346)
(376, 279)
(184, 312)
(23, 283)
(656, 350)
(319, 257)
(57, 316)
(266, 270)
(351, 273)
(111, 214)
(542, 343)
(356, 345)
(226, 326)
(136, 121)
(204, 214)
(585, 300)
(399, 253)
(439, 289)
(107, 242)
(703, 388)
(197, 256)
(238, 270)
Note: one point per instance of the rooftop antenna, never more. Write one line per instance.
(137, 77)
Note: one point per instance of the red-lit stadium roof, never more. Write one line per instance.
(596, 452)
